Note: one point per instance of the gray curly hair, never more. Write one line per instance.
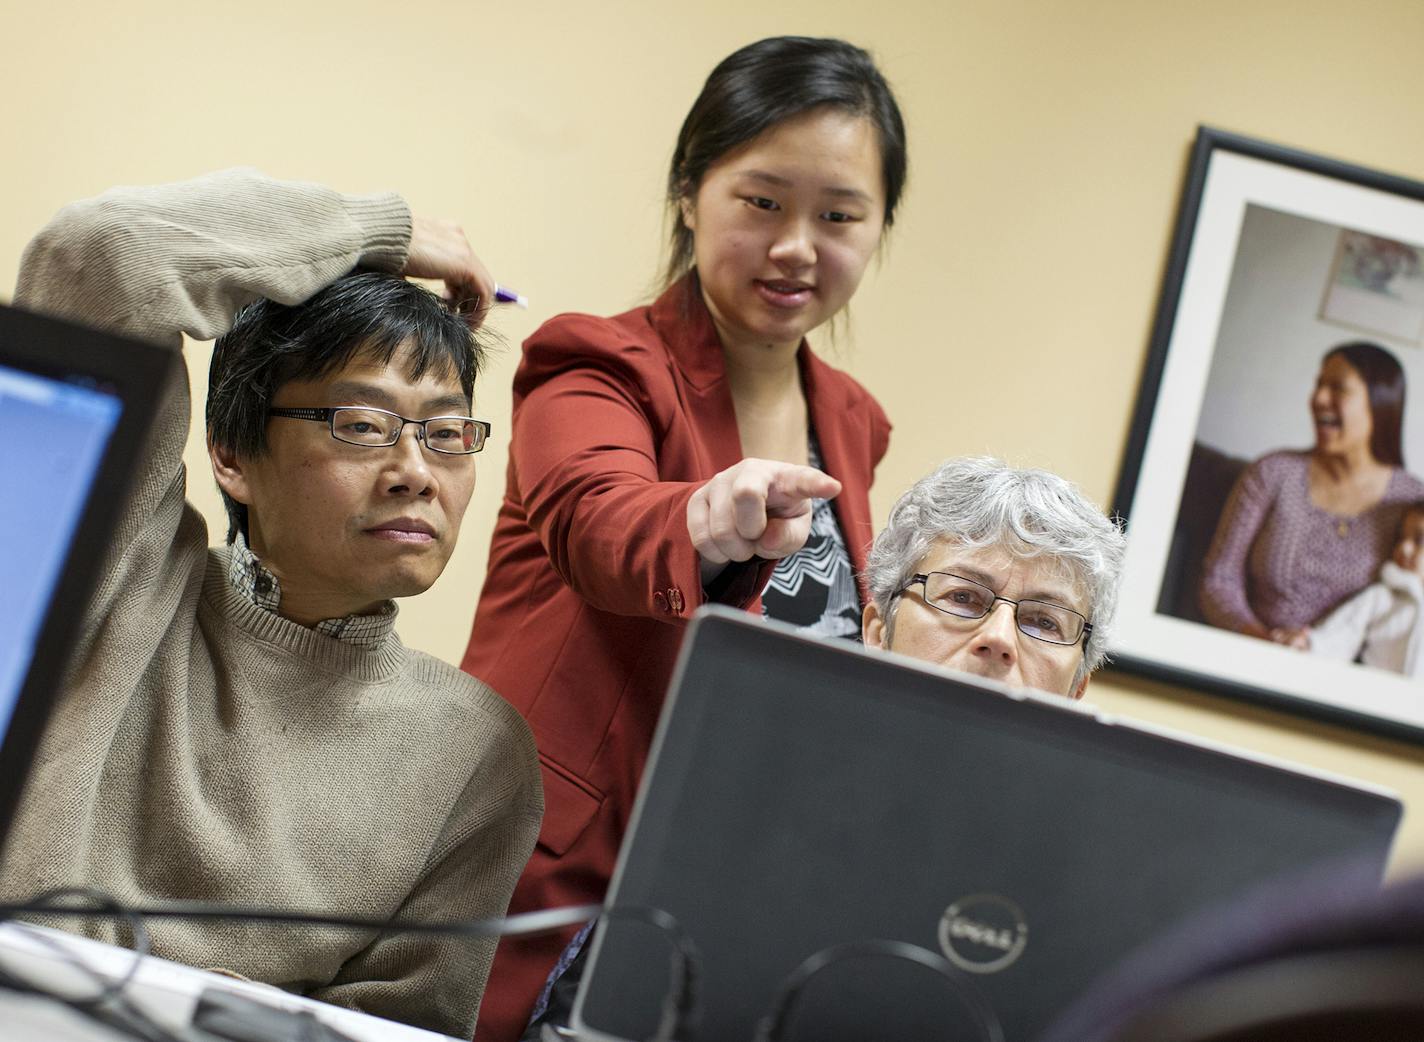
(983, 502)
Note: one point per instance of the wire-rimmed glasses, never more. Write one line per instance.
(378, 428)
(967, 599)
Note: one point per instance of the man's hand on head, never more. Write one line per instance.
(439, 250)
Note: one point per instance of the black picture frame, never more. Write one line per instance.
(1251, 302)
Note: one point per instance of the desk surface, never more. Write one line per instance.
(166, 991)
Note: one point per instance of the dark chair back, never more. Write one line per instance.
(1211, 475)
(1328, 955)
(1354, 995)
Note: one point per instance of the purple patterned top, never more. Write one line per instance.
(1279, 560)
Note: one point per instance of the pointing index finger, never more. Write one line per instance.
(797, 484)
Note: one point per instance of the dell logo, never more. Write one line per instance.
(979, 933)
(983, 933)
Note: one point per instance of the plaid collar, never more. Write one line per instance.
(249, 578)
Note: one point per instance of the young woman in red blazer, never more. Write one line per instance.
(690, 451)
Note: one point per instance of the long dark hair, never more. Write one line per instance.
(1384, 377)
(764, 84)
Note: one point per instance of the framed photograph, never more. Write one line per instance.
(1273, 481)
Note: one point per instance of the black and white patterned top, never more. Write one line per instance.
(814, 588)
(249, 577)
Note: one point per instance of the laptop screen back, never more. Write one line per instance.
(803, 795)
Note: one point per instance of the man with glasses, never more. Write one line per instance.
(243, 724)
(1008, 574)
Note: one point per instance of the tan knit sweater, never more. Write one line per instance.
(207, 748)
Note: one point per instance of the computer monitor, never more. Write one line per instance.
(76, 406)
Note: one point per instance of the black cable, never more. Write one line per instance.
(678, 1021)
(110, 1005)
(524, 924)
(109, 988)
(118, 1013)
(679, 1004)
(771, 1026)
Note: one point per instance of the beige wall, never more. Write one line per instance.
(1048, 142)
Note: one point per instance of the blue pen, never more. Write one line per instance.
(509, 296)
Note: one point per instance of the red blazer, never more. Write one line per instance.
(617, 421)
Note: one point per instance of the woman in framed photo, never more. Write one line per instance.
(1305, 529)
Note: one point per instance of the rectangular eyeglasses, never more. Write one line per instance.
(967, 599)
(376, 428)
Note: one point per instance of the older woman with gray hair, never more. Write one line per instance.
(977, 535)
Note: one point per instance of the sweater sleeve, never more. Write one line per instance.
(152, 262)
(591, 412)
(437, 982)
(1223, 590)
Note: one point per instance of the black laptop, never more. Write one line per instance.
(75, 410)
(946, 853)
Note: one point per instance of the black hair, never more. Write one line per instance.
(1384, 377)
(366, 314)
(764, 84)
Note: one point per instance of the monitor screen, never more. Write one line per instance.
(53, 434)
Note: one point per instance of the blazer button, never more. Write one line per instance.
(660, 602)
(675, 600)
